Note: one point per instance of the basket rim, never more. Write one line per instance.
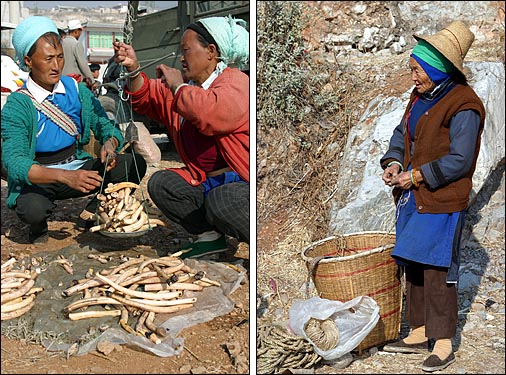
(330, 259)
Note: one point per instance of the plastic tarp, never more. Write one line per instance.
(57, 332)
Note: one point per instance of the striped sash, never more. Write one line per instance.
(54, 113)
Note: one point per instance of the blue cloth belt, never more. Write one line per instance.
(222, 179)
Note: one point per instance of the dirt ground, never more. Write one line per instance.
(220, 346)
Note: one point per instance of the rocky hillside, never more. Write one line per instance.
(370, 42)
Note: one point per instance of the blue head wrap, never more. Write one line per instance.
(231, 37)
(436, 75)
(26, 35)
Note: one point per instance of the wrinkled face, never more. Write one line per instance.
(421, 80)
(46, 63)
(198, 62)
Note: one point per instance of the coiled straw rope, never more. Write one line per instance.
(278, 350)
(323, 333)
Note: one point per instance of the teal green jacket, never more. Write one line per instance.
(19, 129)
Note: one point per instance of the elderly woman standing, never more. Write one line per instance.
(206, 111)
(45, 125)
(430, 162)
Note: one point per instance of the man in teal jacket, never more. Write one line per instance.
(45, 125)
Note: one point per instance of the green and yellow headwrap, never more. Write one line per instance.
(432, 56)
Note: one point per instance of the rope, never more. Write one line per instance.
(128, 30)
(278, 350)
(144, 199)
(323, 333)
(103, 176)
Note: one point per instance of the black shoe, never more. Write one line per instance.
(401, 347)
(434, 363)
(38, 239)
(84, 225)
(38, 233)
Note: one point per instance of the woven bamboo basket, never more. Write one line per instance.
(356, 264)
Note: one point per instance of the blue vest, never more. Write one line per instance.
(50, 137)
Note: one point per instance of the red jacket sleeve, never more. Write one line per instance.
(221, 111)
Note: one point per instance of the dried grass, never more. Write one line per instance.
(21, 330)
(299, 147)
(301, 134)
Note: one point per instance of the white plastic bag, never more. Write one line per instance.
(145, 145)
(354, 320)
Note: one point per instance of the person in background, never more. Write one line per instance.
(111, 74)
(62, 32)
(95, 72)
(76, 64)
(12, 77)
(44, 127)
(430, 163)
(206, 111)
(112, 71)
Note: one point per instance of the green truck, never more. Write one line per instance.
(158, 34)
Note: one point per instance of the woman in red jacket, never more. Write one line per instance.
(205, 108)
